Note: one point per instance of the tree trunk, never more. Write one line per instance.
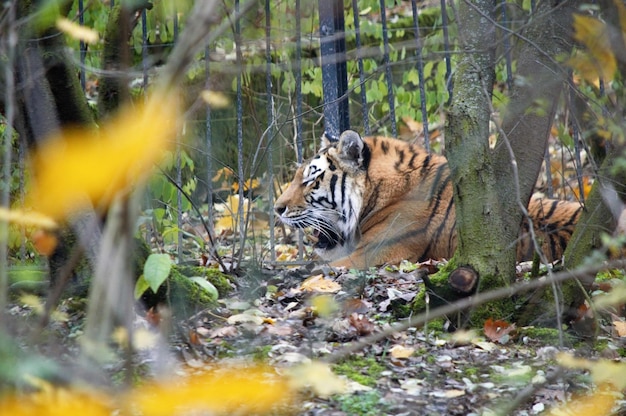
(527, 121)
(467, 146)
(492, 186)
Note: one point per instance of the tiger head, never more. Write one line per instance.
(326, 194)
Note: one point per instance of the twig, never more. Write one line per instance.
(472, 301)
(206, 227)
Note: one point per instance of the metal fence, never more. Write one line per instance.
(270, 66)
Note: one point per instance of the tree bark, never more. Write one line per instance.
(493, 186)
(522, 141)
(467, 144)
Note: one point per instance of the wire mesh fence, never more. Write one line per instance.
(288, 72)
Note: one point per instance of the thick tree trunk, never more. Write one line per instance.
(492, 186)
(467, 146)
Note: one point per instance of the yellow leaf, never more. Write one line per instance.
(79, 166)
(318, 377)
(599, 60)
(34, 302)
(249, 184)
(400, 351)
(77, 31)
(318, 283)
(27, 218)
(598, 403)
(56, 402)
(225, 391)
(620, 327)
(215, 99)
(230, 217)
(325, 305)
(602, 371)
(223, 173)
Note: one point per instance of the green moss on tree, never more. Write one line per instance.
(184, 296)
(218, 279)
(438, 292)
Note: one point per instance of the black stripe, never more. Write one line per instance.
(425, 165)
(343, 197)
(371, 203)
(411, 164)
(384, 146)
(367, 156)
(553, 206)
(400, 160)
(573, 218)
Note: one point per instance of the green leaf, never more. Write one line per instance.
(156, 270)
(140, 287)
(413, 77)
(206, 285)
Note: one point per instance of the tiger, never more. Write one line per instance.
(379, 200)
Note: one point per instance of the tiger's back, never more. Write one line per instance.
(381, 200)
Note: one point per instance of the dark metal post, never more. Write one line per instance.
(357, 37)
(334, 69)
(390, 96)
(82, 45)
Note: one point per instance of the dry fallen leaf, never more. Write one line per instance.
(318, 377)
(620, 328)
(498, 331)
(324, 305)
(362, 324)
(400, 351)
(320, 284)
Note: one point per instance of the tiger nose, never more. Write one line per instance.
(280, 209)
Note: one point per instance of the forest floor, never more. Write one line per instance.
(285, 318)
(296, 317)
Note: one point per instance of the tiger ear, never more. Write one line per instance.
(351, 147)
(326, 141)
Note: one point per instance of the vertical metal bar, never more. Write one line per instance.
(334, 69)
(270, 123)
(299, 144)
(21, 167)
(507, 47)
(420, 75)
(390, 95)
(446, 46)
(357, 36)
(179, 173)
(82, 45)
(209, 157)
(299, 151)
(240, 156)
(144, 49)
